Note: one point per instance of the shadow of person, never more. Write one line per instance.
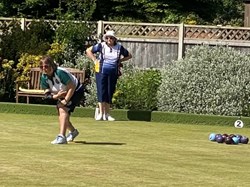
(98, 143)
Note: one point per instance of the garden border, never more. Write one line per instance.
(126, 115)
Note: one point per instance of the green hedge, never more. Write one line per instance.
(125, 115)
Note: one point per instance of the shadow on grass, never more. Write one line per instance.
(98, 143)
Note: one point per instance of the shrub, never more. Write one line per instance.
(209, 80)
(6, 79)
(26, 62)
(73, 33)
(56, 50)
(11, 39)
(136, 89)
(38, 38)
(15, 41)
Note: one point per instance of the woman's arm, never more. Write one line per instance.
(90, 54)
(71, 89)
(126, 58)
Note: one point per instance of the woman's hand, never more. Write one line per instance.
(60, 94)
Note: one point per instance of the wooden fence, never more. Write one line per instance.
(153, 44)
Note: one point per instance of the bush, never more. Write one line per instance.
(38, 38)
(6, 79)
(136, 89)
(11, 39)
(15, 41)
(209, 80)
(23, 46)
(26, 62)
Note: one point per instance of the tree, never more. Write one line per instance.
(226, 12)
(223, 12)
(47, 9)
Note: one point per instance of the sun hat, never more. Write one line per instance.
(109, 33)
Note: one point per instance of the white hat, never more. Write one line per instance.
(109, 33)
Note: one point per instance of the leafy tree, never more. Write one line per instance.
(226, 12)
(70, 9)
(26, 8)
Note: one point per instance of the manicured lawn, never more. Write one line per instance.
(118, 154)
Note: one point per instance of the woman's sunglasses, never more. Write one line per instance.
(45, 66)
(111, 38)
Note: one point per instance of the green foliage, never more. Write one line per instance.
(68, 45)
(11, 40)
(209, 80)
(26, 61)
(6, 78)
(14, 41)
(79, 10)
(136, 89)
(72, 33)
(229, 12)
(38, 38)
(56, 50)
(224, 12)
(91, 95)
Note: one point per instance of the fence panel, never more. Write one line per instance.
(148, 54)
(155, 44)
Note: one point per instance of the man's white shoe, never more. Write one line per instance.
(99, 117)
(60, 139)
(72, 135)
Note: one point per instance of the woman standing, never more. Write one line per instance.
(61, 85)
(111, 54)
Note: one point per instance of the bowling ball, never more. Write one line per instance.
(219, 139)
(216, 136)
(244, 140)
(238, 136)
(236, 140)
(224, 136)
(212, 137)
(232, 135)
(228, 140)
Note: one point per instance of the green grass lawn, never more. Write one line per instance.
(117, 154)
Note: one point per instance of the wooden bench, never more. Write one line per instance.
(32, 88)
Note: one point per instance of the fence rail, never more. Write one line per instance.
(167, 41)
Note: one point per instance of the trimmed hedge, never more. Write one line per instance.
(125, 115)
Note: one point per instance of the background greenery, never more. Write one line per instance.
(222, 12)
(206, 81)
(209, 80)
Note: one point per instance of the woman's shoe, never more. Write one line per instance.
(108, 117)
(98, 117)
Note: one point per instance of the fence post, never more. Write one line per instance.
(100, 29)
(23, 24)
(181, 41)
